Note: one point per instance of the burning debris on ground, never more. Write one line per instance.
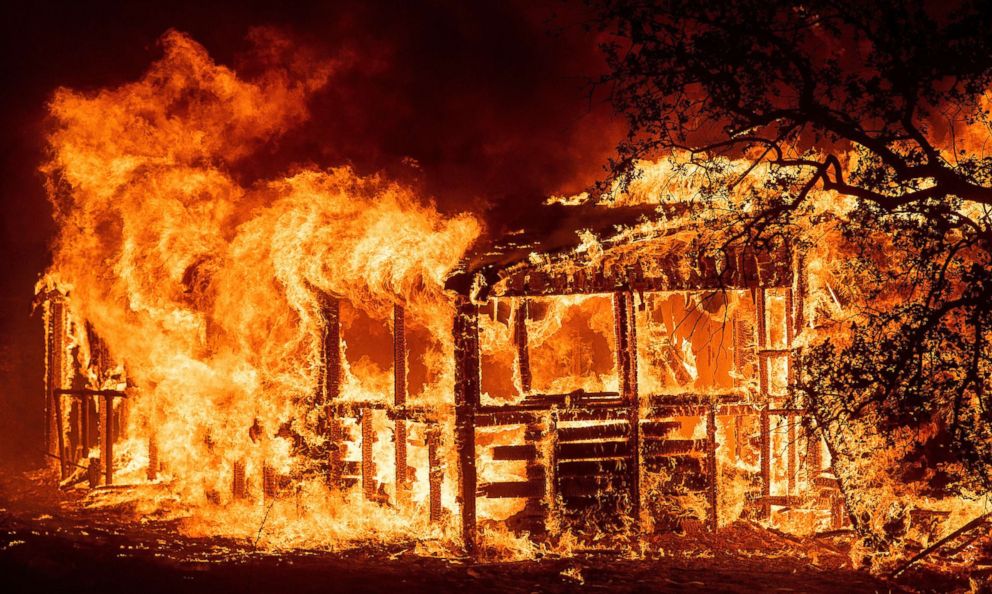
(753, 356)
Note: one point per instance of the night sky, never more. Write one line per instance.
(492, 101)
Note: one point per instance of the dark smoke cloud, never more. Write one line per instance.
(483, 105)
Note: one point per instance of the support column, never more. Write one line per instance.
(711, 468)
(399, 400)
(523, 350)
(766, 446)
(466, 338)
(108, 439)
(329, 386)
(435, 474)
(626, 344)
(55, 363)
(368, 463)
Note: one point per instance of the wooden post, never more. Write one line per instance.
(108, 439)
(368, 464)
(329, 387)
(792, 446)
(634, 412)
(435, 473)
(54, 440)
(152, 458)
(60, 435)
(523, 350)
(466, 338)
(711, 468)
(399, 399)
(238, 489)
(766, 445)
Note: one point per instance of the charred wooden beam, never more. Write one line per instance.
(238, 482)
(435, 473)
(399, 399)
(60, 437)
(270, 484)
(792, 454)
(512, 489)
(595, 449)
(108, 437)
(152, 472)
(55, 361)
(495, 419)
(658, 429)
(590, 467)
(466, 341)
(711, 469)
(607, 431)
(523, 350)
(515, 452)
(674, 447)
(368, 463)
(766, 463)
(634, 418)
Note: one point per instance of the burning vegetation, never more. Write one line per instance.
(777, 318)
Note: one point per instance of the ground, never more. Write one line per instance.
(48, 544)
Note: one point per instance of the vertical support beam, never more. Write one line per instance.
(152, 458)
(523, 350)
(269, 487)
(711, 468)
(84, 424)
(60, 435)
(435, 474)
(466, 339)
(792, 452)
(766, 463)
(55, 350)
(108, 440)
(766, 442)
(368, 464)
(399, 400)
(238, 484)
(329, 387)
(634, 412)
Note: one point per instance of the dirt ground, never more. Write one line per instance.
(48, 544)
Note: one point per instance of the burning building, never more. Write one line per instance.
(624, 381)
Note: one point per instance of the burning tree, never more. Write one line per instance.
(869, 125)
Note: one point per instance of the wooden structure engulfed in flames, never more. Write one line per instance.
(634, 384)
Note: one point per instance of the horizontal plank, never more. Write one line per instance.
(595, 414)
(514, 452)
(659, 428)
(512, 489)
(738, 410)
(602, 500)
(605, 431)
(495, 419)
(592, 485)
(668, 411)
(594, 449)
(674, 465)
(696, 399)
(674, 447)
(593, 467)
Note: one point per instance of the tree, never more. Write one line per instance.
(882, 108)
